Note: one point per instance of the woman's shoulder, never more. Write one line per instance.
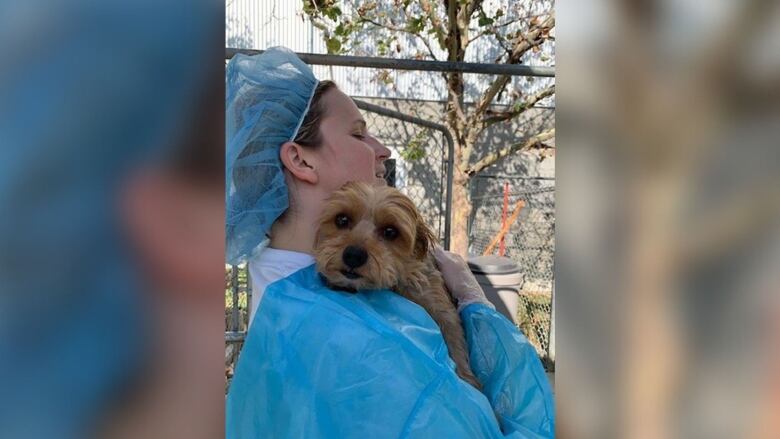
(374, 347)
(302, 305)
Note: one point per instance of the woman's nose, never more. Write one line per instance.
(381, 151)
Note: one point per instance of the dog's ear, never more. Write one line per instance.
(425, 239)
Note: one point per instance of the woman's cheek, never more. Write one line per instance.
(370, 166)
(363, 164)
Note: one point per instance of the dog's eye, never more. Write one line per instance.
(390, 233)
(342, 221)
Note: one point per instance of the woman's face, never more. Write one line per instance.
(348, 152)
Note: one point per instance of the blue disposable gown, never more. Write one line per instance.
(319, 363)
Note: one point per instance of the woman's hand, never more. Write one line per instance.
(459, 280)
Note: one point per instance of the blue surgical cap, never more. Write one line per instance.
(268, 96)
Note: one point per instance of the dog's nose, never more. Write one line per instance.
(354, 256)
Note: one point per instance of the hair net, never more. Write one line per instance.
(268, 96)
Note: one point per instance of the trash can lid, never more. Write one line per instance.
(493, 265)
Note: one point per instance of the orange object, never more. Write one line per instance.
(516, 213)
(501, 248)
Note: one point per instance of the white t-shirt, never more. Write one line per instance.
(270, 265)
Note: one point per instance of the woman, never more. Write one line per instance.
(323, 363)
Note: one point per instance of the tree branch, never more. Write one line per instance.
(516, 110)
(524, 43)
(492, 29)
(436, 23)
(530, 143)
(507, 49)
(392, 28)
(464, 19)
(472, 7)
(535, 36)
(319, 24)
(424, 40)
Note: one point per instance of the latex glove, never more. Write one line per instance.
(459, 280)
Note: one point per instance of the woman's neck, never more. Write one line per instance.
(294, 234)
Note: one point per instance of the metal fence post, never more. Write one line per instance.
(551, 348)
(411, 64)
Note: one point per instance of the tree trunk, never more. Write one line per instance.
(461, 209)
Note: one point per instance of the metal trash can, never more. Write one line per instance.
(501, 280)
(390, 172)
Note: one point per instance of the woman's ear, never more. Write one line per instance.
(294, 157)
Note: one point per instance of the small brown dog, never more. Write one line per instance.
(374, 238)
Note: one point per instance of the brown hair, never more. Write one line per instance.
(309, 133)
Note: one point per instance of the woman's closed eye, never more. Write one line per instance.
(359, 136)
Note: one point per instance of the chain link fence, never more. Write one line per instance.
(530, 242)
(237, 298)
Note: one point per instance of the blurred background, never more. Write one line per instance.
(668, 194)
(112, 223)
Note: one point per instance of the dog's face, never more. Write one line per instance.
(368, 235)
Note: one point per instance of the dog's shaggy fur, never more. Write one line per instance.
(373, 237)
